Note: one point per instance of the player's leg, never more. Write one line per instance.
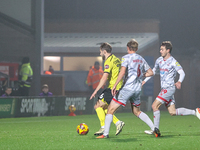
(180, 111)
(144, 117)
(103, 104)
(107, 99)
(173, 111)
(164, 97)
(156, 113)
(119, 124)
(101, 115)
(109, 117)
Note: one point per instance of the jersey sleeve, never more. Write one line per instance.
(177, 66)
(156, 66)
(107, 67)
(124, 62)
(146, 65)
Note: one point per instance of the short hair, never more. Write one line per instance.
(107, 47)
(167, 44)
(132, 45)
(45, 86)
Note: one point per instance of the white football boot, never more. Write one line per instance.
(100, 132)
(148, 132)
(119, 127)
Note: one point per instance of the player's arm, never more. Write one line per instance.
(181, 78)
(100, 85)
(120, 76)
(148, 75)
(154, 72)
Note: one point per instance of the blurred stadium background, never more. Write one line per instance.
(67, 34)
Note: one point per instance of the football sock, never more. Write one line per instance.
(116, 121)
(146, 119)
(156, 116)
(108, 120)
(101, 116)
(184, 111)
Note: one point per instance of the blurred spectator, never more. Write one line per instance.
(25, 77)
(45, 91)
(50, 71)
(94, 76)
(8, 92)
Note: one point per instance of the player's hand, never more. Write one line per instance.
(93, 95)
(113, 91)
(143, 82)
(144, 74)
(178, 85)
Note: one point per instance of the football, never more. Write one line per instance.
(82, 129)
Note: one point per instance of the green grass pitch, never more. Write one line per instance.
(59, 133)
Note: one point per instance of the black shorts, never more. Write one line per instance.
(106, 96)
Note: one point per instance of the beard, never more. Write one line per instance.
(103, 57)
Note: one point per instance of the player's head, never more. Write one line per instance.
(165, 49)
(105, 49)
(167, 45)
(132, 45)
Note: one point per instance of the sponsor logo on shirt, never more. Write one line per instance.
(106, 66)
(177, 64)
(162, 71)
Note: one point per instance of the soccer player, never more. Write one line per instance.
(112, 67)
(134, 64)
(168, 67)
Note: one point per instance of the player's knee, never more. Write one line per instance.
(105, 106)
(111, 111)
(136, 113)
(96, 106)
(154, 107)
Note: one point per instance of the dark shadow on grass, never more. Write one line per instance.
(116, 139)
(124, 140)
(168, 135)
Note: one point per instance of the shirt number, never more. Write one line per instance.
(138, 71)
